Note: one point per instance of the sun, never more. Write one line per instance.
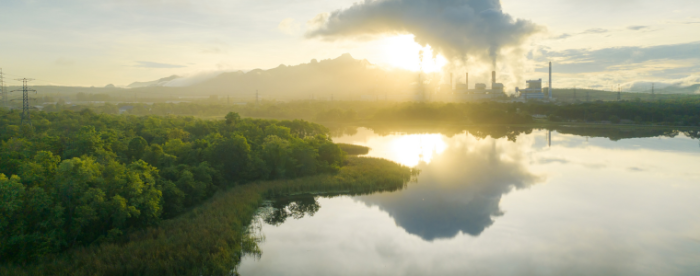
(402, 52)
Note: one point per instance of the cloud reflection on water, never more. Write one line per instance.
(458, 191)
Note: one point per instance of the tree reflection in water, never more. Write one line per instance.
(296, 207)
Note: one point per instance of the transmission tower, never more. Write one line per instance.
(3, 90)
(618, 92)
(652, 92)
(25, 100)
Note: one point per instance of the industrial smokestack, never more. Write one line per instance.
(493, 78)
(550, 80)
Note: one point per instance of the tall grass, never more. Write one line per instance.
(351, 149)
(209, 239)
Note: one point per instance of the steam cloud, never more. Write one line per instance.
(457, 29)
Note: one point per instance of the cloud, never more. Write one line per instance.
(691, 20)
(562, 36)
(637, 28)
(595, 31)
(149, 64)
(553, 160)
(585, 60)
(318, 21)
(289, 26)
(457, 29)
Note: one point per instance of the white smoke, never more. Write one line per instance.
(460, 30)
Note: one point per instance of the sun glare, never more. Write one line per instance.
(402, 52)
(409, 150)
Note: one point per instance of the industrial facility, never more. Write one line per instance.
(462, 91)
(534, 89)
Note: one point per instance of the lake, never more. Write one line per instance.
(501, 202)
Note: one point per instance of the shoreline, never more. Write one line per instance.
(211, 239)
(538, 124)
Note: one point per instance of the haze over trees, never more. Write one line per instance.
(672, 112)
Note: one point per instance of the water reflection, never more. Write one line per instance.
(509, 201)
(512, 132)
(459, 191)
(280, 209)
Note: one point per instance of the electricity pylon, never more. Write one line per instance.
(618, 92)
(3, 91)
(25, 100)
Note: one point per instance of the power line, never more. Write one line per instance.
(49, 82)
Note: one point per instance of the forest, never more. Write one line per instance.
(74, 179)
(670, 112)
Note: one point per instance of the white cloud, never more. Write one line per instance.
(289, 26)
(150, 64)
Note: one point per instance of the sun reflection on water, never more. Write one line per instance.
(410, 150)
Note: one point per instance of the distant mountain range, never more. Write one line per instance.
(159, 82)
(340, 78)
(337, 77)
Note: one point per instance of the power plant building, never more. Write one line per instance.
(534, 89)
(480, 92)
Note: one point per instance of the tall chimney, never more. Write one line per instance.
(493, 78)
(550, 80)
(467, 81)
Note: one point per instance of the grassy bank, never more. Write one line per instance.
(209, 239)
(353, 149)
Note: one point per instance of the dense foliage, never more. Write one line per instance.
(211, 238)
(77, 178)
(668, 111)
(681, 113)
(472, 113)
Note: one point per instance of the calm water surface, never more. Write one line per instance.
(565, 205)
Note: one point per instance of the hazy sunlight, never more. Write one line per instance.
(409, 150)
(402, 52)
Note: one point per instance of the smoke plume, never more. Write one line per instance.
(460, 30)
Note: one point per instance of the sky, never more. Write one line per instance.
(592, 43)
